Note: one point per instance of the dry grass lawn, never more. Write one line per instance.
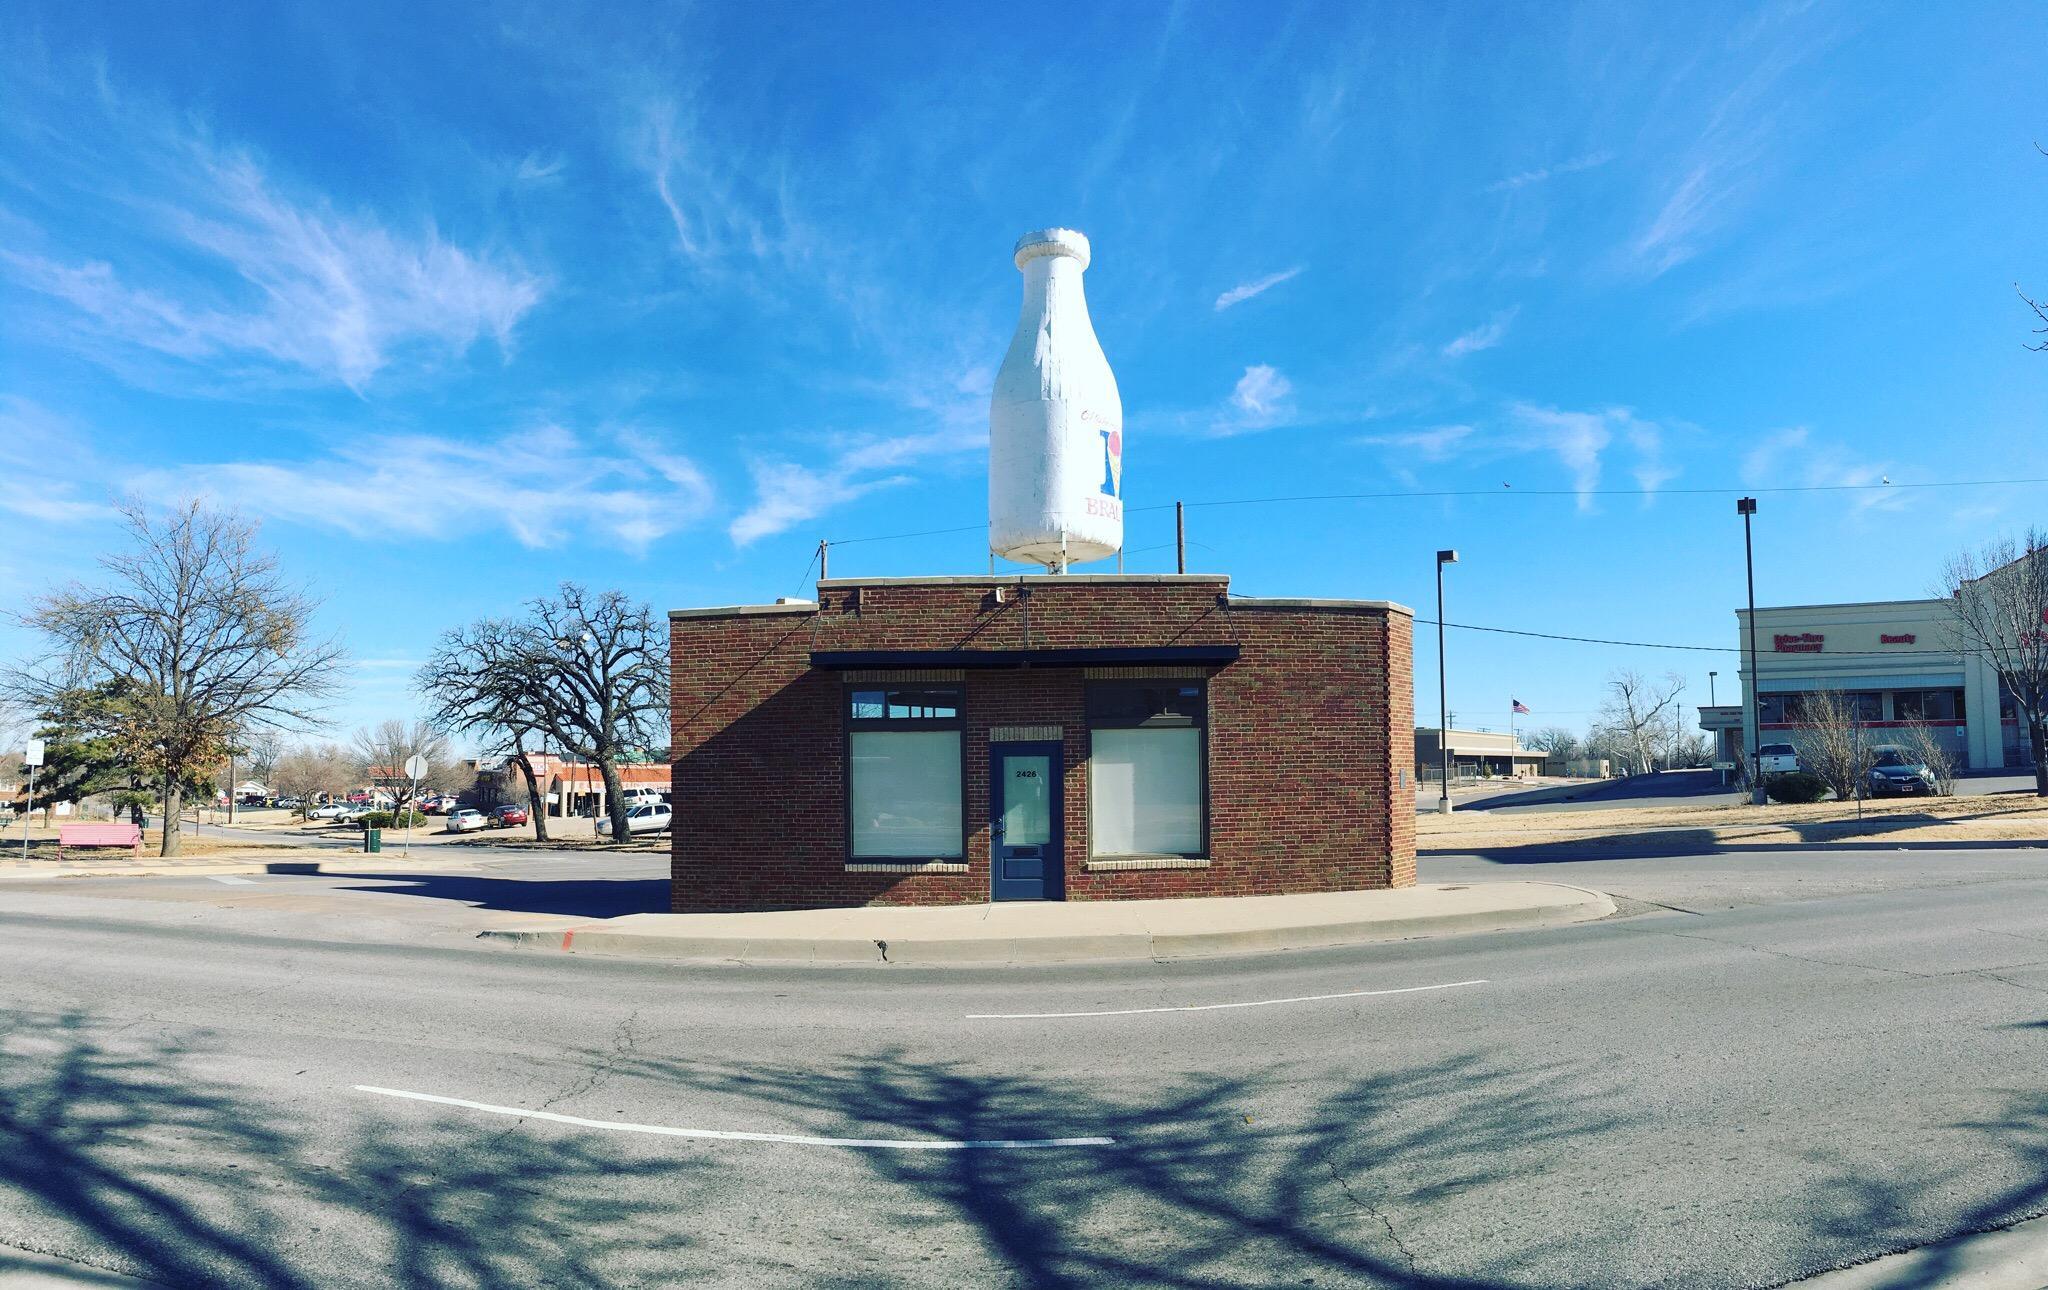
(2015, 818)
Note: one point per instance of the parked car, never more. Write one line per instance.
(331, 811)
(1776, 759)
(648, 817)
(1899, 771)
(508, 815)
(288, 803)
(466, 820)
(353, 813)
(442, 805)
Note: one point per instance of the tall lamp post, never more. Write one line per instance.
(1746, 507)
(1443, 690)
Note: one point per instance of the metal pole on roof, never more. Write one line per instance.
(1180, 538)
(824, 554)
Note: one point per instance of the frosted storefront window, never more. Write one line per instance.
(1145, 792)
(905, 793)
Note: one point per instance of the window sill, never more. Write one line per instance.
(906, 866)
(1119, 864)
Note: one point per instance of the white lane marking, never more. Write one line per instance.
(1214, 1007)
(231, 880)
(728, 1135)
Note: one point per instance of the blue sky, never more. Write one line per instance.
(657, 297)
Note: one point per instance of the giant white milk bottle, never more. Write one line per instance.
(1055, 424)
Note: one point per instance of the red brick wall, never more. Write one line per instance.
(1308, 738)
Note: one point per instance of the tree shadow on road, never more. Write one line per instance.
(1899, 1203)
(1208, 1184)
(117, 1151)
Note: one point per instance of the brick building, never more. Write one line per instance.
(1082, 737)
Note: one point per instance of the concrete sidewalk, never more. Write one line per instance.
(1080, 930)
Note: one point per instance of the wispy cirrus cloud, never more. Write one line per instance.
(1432, 443)
(786, 493)
(542, 486)
(1581, 440)
(1246, 290)
(1542, 174)
(1484, 336)
(1794, 455)
(1262, 398)
(38, 450)
(224, 260)
(535, 168)
(723, 209)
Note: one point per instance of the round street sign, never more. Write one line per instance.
(415, 766)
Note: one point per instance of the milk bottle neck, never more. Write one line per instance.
(1052, 285)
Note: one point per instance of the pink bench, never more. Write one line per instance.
(98, 835)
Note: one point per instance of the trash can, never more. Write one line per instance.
(373, 840)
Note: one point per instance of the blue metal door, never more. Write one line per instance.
(1026, 822)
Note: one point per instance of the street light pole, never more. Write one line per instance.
(1712, 702)
(1752, 712)
(1443, 690)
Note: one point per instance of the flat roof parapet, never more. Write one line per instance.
(1011, 579)
(742, 611)
(1310, 602)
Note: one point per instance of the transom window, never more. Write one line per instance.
(923, 704)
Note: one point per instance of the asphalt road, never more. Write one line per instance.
(1837, 1055)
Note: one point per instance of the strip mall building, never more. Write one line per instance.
(950, 740)
(1892, 659)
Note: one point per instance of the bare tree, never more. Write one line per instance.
(382, 750)
(1556, 741)
(307, 771)
(209, 638)
(602, 662)
(1998, 610)
(1635, 713)
(487, 680)
(1833, 742)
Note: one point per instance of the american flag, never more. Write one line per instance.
(1521, 708)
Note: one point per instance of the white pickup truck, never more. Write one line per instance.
(1776, 759)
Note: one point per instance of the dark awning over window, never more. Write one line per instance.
(1109, 656)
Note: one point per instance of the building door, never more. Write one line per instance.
(1026, 823)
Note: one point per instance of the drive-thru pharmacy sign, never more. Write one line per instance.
(1798, 642)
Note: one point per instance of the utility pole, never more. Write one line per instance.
(1443, 692)
(1746, 508)
(824, 554)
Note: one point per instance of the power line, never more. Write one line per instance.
(1704, 649)
(1582, 640)
(1503, 491)
(1506, 490)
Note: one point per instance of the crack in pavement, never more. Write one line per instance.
(1366, 1207)
(624, 1040)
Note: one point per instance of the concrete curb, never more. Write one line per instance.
(326, 862)
(1150, 935)
(2009, 1258)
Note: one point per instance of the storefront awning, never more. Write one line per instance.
(1105, 656)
